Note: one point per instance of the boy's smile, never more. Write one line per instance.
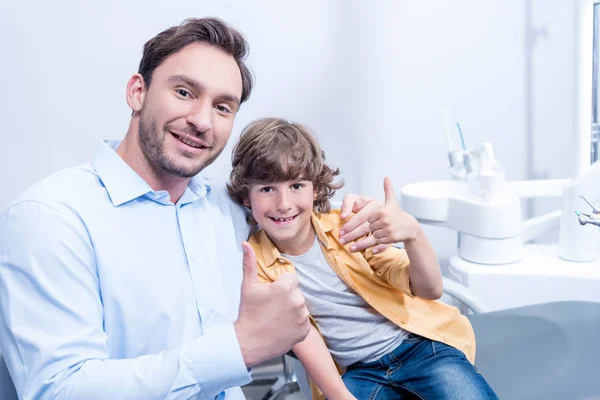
(283, 210)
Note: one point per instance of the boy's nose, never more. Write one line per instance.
(283, 203)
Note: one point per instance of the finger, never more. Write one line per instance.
(365, 243)
(379, 248)
(360, 203)
(287, 281)
(351, 203)
(347, 204)
(379, 234)
(298, 299)
(377, 225)
(249, 264)
(358, 232)
(390, 196)
(358, 219)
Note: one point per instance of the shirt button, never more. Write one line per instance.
(208, 315)
(196, 258)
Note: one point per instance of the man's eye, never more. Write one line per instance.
(266, 189)
(183, 92)
(297, 186)
(223, 109)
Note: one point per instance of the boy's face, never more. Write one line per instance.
(283, 210)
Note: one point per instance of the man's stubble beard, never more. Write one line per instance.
(152, 145)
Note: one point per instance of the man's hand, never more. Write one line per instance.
(387, 222)
(273, 316)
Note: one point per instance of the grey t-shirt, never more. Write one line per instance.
(352, 329)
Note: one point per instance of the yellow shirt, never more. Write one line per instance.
(382, 280)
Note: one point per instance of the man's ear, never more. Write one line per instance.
(136, 92)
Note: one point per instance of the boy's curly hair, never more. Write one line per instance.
(275, 150)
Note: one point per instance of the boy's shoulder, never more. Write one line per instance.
(330, 221)
(254, 239)
(256, 242)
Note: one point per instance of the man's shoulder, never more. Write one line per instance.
(66, 196)
(218, 190)
(62, 187)
(218, 194)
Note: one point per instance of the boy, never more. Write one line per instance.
(374, 314)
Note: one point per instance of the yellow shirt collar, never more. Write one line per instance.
(322, 225)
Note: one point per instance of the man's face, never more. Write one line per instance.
(188, 110)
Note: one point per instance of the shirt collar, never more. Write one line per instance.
(322, 223)
(123, 184)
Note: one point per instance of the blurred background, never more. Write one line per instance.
(372, 79)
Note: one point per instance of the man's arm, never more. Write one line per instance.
(51, 323)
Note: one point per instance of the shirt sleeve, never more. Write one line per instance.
(392, 266)
(51, 322)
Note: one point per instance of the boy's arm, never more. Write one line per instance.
(424, 271)
(319, 365)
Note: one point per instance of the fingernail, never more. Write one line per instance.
(343, 241)
(375, 251)
(342, 232)
(352, 248)
(343, 215)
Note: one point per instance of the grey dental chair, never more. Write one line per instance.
(545, 351)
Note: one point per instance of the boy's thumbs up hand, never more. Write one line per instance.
(388, 223)
(388, 189)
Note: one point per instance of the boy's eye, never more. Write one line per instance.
(183, 93)
(266, 189)
(297, 186)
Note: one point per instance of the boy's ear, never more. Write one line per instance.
(247, 203)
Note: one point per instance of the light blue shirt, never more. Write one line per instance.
(110, 291)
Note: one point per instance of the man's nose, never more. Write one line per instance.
(201, 116)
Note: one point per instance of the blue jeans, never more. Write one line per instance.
(418, 368)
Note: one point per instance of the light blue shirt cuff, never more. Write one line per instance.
(215, 360)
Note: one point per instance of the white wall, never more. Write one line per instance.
(371, 78)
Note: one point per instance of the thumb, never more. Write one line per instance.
(249, 264)
(390, 196)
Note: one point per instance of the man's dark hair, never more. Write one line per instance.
(212, 31)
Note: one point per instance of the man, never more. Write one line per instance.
(121, 279)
